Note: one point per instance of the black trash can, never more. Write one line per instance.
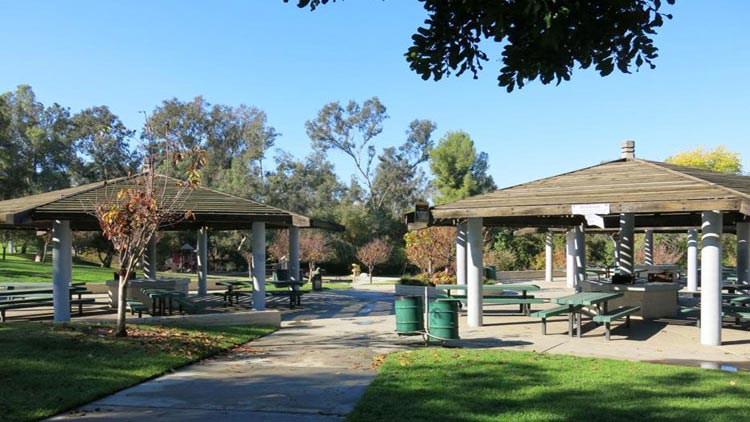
(317, 281)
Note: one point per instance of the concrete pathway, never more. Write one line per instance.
(314, 368)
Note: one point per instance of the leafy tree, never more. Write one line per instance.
(399, 180)
(130, 217)
(38, 140)
(539, 38)
(314, 247)
(350, 129)
(459, 171)
(308, 186)
(235, 139)
(8, 151)
(432, 248)
(374, 252)
(102, 143)
(717, 159)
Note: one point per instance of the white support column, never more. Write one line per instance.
(259, 265)
(648, 246)
(202, 261)
(461, 229)
(580, 254)
(149, 260)
(474, 272)
(616, 251)
(711, 278)
(626, 255)
(548, 257)
(692, 261)
(294, 254)
(743, 253)
(570, 259)
(61, 269)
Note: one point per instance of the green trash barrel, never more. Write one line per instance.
(490, 272)
(409, 315)
(443, 317)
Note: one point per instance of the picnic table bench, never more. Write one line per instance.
(579, 303)
(12, 298)
(498, 294)
(619, 313)
(293, 291)
(546, 313)
(233, 291)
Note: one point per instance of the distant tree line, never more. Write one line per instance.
(44, 148)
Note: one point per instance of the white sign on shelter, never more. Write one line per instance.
(588, 209)
(591, 212)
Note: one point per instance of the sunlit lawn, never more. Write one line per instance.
(489, 385)
(46, 368)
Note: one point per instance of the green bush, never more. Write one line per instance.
(422, 279)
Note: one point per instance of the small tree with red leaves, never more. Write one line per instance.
(373, 253)
(314, 247)
(431, 248)
(129, 216)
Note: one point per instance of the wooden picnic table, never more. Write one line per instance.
(577, 301)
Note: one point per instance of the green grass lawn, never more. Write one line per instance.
(488, 385)
(23, 269)
(46, 369)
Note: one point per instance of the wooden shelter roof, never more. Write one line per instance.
(661, 195)
(211, 208)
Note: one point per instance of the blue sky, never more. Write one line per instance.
(290, 62)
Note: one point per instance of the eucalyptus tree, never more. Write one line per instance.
(103, 145)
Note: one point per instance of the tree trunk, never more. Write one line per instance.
(106, 260)
(121, 304)
(369, 268)
(40, 250)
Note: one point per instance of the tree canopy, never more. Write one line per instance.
(458, 169)
(537, 38)
(717, 159)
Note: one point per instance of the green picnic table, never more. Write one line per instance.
(523, 300)
(577, 301)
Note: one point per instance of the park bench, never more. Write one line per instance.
(184, 304)
(498, 294)
(295, 296)
(524, 302)
(691, 311)
(546, 313)
(136, 306)
(40, 300)
(736, 312)
(22, 303)
(616, 314)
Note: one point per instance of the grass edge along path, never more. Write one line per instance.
(48, 368)
(493, 385)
